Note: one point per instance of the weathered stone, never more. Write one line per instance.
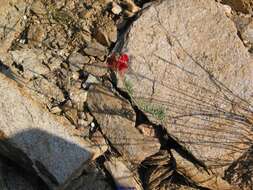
(38, 141)
(123, 177)
(146, 130)
(78, 96)
(96, 67)
(11, 23)
(95, 49)
(201, 177)
(38, 8)
(244, 25)
(77, 61)
(106, 35)
(190, 71)
(116, 9)
(36, 34)
(117, 121)
(247, 35)
(31, 61)
(45, 89)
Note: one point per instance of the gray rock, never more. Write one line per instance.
(38, 141)
(190, 71)
(117, 121)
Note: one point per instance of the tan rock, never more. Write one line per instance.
(203, 178)
(117, 121)
(116, 9)
(12, 23)
(123, 177)
(190, 71)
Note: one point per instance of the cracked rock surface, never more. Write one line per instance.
(197, 77)
(178, 117)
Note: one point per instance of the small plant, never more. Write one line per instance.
(129, 87)
(158, 111)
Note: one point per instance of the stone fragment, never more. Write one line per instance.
(36, 34)
(78, 97)
(77, 61)
(116, 9)
(38, 8)
(95, 49)
(11, 22)
(117, 121)
(123, 177)
(31, 61)
(190, 71)
(38, 141)
(201, 177)
(146, 130)
(247, 35)
(131, 6)
(106, 35)
(46, 88)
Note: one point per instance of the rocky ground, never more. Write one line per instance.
(123, 94)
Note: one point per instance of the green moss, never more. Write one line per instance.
(129, 87)
(158, 111)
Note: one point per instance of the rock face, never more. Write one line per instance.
(37, 141)
(117, 121)
(190, 71)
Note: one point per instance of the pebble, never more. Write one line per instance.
(55, 110)
(81, 115)
(82, 123)
(116, 9)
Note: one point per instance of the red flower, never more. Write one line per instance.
(119, 64)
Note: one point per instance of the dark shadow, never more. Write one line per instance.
(47, 156)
